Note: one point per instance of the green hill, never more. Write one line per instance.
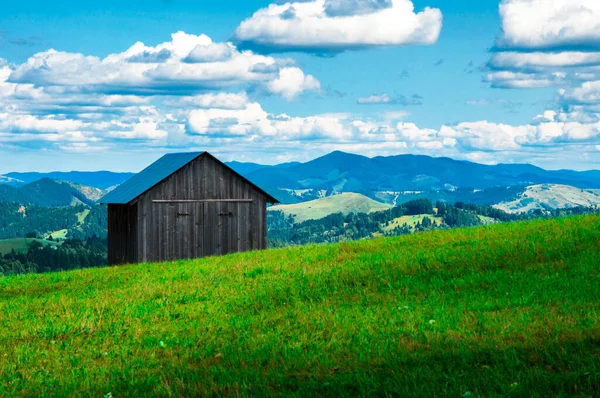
(503, 310)
(344, 203)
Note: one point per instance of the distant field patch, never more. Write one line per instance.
(82, 216)
(344, 203)
(412, 221)
(61, 234)
(20, 245)
(487, 220)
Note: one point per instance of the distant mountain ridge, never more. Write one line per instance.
(50, 193)
(343, 172)
(391, 179)
(97, 179)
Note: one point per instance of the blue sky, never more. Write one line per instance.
(261, 86)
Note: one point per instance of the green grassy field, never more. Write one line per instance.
(343, 203)
(20, 245)
(496, 311)
(412, 221)
(82, 216)
(61, 234)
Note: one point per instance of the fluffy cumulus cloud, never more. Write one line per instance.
(291, 82)
(338, 25)
(186, 64)
(191, 93)
(551, 132)
(551, 43)
(550, 24)
(546, 43)
(135, 99)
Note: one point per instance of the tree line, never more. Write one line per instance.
(72, 254)
(283, 231)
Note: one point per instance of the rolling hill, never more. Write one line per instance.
(551, 197)
(343, 203)
(504, 310)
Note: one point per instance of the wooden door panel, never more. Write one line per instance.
(227, 228)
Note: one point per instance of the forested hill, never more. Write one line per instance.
(50, 193)
(79, 222)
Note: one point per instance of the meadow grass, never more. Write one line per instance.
(502, 310)
(20, 245)
(60, 234)
(82, 216)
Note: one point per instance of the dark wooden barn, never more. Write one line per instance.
(185, 205)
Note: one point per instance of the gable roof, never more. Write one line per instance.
(157, 172)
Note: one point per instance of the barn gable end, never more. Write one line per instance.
(203, 208)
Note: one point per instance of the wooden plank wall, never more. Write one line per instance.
(122, 230)
(169, 231)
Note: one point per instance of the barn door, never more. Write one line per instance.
(180, 234)
(202, 228)
(227, 228)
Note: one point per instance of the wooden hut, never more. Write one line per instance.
(185, 205)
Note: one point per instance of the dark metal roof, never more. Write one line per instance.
(155, 173)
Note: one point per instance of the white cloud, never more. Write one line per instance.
(375, 99)
(478, 102)
(187, 64)
(378, 99)
(509, 79)
(546, 43)
(586, 93)
(29, 123)
(291, 82)
(254, 122)
(542, 61)
(333, 25)
(211, 100)
(549, 24)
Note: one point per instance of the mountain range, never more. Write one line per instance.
(392, 179)
(407, 176)
(343, 171)
(97, 179)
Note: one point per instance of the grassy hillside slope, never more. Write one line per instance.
(344, 203)
(504, 310)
